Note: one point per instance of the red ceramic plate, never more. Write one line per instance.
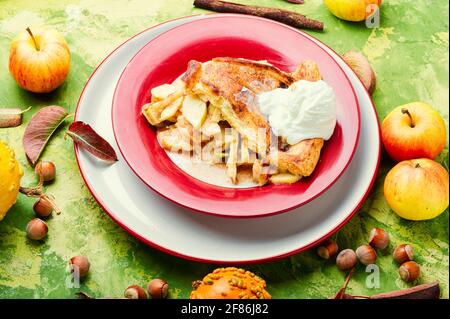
(163, 59)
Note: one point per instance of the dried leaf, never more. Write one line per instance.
(11, 117)
(82, 295)
(84, 136)
(361, 66)
(39, 130)
(424, 291)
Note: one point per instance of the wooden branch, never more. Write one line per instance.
(291, 18)
(341, 292)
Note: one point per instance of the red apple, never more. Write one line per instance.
(39, 60)
(413, 130)
(417, 189)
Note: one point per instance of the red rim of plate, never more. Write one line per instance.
(165, 58)
(205, 260)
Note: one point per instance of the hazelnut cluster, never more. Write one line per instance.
(157, 289)
(366, 254)
(37, 229)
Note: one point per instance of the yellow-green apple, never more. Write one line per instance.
(417, 189)
(39, 60)
(413, 130)
(353, 10)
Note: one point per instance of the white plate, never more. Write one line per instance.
(181, 232)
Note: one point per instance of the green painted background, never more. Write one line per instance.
(409, 53)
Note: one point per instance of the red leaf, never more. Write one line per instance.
(39, 130)
(84, 136)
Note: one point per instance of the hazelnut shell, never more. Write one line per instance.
(403, 253)
(37, 229)
(158, 288)
(379, 238)
(366, 254)
(43, 207)
(327, 249)
(346, 259)
(409, 271)
(47, 170)
(135, 292)
(82, 263)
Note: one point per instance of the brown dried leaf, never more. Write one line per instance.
(39, 130)
(361, 66)
(11, 117)
(84, 136)
(424, 291)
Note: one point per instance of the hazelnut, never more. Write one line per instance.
(158, 288)
(366, 254)
(327, 249)
(403, 253)
(135, 292)
(37, 229)
(379, 238)
(43, 207)
(409, 271)
(81, 263)
(346, 259)
(47, 170)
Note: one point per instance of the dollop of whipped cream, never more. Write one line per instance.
(302, 111)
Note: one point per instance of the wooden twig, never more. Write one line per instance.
(37, 191)
(291, 18)
(341, 292)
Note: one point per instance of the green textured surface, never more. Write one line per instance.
(409, 53)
